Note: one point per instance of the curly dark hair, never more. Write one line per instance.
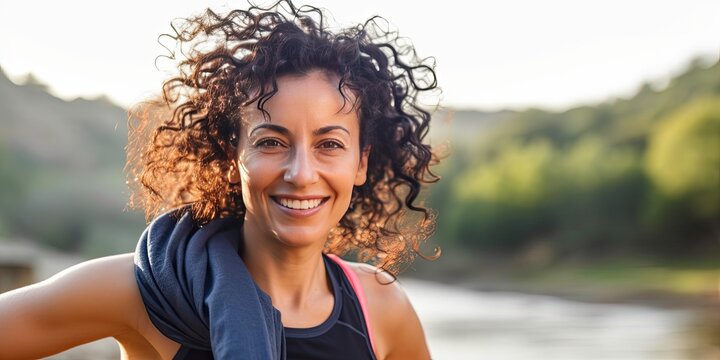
(178, 152)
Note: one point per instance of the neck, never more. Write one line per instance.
(292, 276)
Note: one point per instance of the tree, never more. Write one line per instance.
(683, 157)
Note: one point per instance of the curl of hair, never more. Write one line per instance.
(178, 151)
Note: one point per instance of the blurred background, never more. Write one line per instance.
(579, 210)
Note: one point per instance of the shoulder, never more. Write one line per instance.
(380, 285)
(397, 330)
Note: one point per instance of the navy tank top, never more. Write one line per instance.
(343, 335)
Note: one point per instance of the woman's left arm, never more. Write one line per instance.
(405, 333)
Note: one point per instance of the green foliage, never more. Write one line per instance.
(683, 158)
(536, 191)
(515, 177)
(635, 176)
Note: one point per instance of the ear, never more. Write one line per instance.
(231, 151)
(361, 175)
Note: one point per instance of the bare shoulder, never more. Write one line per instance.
(397, 329)
(380, 285)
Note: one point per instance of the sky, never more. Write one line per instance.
(551, 54)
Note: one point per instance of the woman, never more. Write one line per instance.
(287, 143)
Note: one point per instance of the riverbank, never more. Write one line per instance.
(681, 284)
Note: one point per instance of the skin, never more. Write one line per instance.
(312, 150)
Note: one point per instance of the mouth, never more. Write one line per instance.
(297, 204)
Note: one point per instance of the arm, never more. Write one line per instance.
(83, 303)
(403, 330)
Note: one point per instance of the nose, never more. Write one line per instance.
(301, 169)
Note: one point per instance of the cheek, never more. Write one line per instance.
(341, 175)
(254, 178)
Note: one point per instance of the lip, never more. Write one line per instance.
(300, 197)
(299, 212)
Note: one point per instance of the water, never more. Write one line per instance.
(464, 324)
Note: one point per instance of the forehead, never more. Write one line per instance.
(311, 99)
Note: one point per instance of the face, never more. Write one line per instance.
(298, 169)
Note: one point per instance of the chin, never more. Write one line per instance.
(299, 237)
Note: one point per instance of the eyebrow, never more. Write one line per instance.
(284, 131)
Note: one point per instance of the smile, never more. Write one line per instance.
(296, 204)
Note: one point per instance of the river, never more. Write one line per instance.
(464, 324)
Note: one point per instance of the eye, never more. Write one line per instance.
(331, 144)
(268, 143)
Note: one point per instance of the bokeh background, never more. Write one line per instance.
(579, 210)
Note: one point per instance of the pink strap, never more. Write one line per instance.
(355, 283)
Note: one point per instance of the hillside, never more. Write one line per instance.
(61, 175)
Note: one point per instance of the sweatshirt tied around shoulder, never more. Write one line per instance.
(198, 292)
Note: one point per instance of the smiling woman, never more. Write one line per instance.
(377, 78)
(289, 145)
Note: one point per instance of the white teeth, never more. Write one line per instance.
(299, 204)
